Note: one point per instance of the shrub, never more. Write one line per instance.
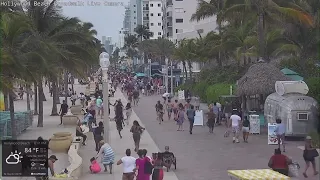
(200, 90)
(215, 91)
(314, 87)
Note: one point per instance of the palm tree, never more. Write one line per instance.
(131, 44)
(143, 32)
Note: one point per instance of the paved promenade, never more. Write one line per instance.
(86, 152)
(119, 146)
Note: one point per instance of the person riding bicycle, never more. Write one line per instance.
(159, 110)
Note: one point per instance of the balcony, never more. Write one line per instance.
(169, 25)
(169, 3)
(169, 14)
(146, 9)
(146, 18)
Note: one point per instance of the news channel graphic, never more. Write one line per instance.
(24, 158)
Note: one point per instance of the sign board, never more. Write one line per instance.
(100, 87)
(272, 137)
(198, 118)
(181, 94)
(24, 158)
(92, 87)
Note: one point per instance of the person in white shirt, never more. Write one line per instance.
(129, 166)
(235, 123)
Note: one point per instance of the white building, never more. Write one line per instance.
(133, 15)
(148, 13)
(178, 26)
(177, 15)
(152, 17)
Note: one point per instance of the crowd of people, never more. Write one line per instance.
(144, 167)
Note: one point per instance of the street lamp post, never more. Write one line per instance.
(171, 78)
(149, 62)
(166, 68)
(104, 64)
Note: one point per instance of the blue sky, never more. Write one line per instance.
(107, 17)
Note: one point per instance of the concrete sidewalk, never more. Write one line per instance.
(119, 146)
(50, 126)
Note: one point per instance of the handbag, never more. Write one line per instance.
(312, 153)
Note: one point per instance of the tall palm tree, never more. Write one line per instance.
(143, 32)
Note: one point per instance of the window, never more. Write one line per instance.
(179, 10)
(151, 5)
(179, 20)
(151, 14)
(159, 33)
(178, 30)
(134, 11)
(151, 24)
(159, 5)
(159, 14)
(134, 17)
(159, 24)
(179, 0)
(303, 116)
(134, 5)
(134, 23)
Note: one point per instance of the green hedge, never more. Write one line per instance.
(215, 91)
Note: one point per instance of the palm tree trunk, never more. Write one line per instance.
(40, 116)
(54, 111)
(185, 70)
(6, 100)
(190, 69)
(66, 91)
(72, 83)
(28, 98)
(12, 119)
(35, 109)
(261, 37)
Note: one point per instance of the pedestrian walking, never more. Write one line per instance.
(63, 110)
(280, 132)
(191, 113)
(136, 130)
(245, 129)
(97, 134)
(119, 117)
(142, 164)
(211, 120)
(180, 118)
(309, 155)
(129, 166)
(128, 112)
(235, 126)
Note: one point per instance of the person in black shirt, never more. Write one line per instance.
(63, 110)
(245, 129)
(97, 134)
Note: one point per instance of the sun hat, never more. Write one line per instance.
(308, 138)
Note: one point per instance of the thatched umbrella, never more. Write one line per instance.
(259, 79)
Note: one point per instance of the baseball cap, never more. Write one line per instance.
(54, 157)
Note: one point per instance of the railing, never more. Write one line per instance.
(146, 8)
(23, 121)
(146, 18)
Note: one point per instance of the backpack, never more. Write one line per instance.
(148, 167)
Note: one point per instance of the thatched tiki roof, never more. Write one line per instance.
(259, 79)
